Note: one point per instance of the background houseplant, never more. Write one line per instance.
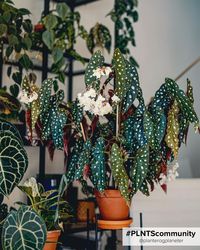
(108, 131)
(23, 227)
(45, 203)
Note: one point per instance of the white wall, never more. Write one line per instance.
(168, 39)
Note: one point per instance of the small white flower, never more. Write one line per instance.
(107, 70)
(25, 98)
(32, 183)
(33, 97)
(115, 98)
(171, 173)
(97, 72)
(90, 93)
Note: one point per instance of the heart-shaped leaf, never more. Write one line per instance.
(24, 229)
(13, 162)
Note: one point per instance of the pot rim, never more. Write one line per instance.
(108, 193)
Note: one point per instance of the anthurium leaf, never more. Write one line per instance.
(119, 64)
(140, 168)
(95, 62)
(13, 162)
(24, 229)
(9, 127)
(172, 132)
(98, 165)
(48, 38)
(62, 10)
(17, 77)
(84, 159)
(119, 172)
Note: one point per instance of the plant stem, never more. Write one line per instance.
(83, 132)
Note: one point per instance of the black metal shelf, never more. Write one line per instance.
(45, 70)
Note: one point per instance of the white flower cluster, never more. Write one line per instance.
(171, 173)
(32, 183)
(94, 103)
(25, 98)
(99, 72)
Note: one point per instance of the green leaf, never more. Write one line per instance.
(13, 162)
(62, 10)
(119, 64)
(96, 61)
(140, 168)
(3, 29)
(17, 77)
(25, 62)
(14, 90)
(12, 40)
(84, 159)
(24, 11)
(24, 229)
(9, 71)
(98, 165)
(48, 38)
(57, 54)
(27, 42)
(7, 16)
(50, 21)
(27, 25)
(7, 126)
(119, 172)
(9, 51)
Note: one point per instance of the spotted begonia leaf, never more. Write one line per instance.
(144, 188)
(154, 127)
(98, 165)
(183, 122)
(134, 132)
(44, 98)
(96, 61)
(140, 168)
(172, 132)
(132, 77)
(71, 166)
(77, 113)
(119, 172)
(122, 82)
(54, 120)
(84, 159)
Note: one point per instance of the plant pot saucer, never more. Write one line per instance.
(113, 224)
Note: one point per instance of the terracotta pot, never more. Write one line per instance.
(112, 205)
(38, 27)
(52, 240)
(83, 206)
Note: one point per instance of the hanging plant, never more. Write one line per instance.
(99, 37)
(124, 15)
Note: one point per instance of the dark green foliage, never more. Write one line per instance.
(98, 170)
(24, 229)
(99, 36)
(95, 62)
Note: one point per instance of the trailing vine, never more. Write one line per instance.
(124, 15)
